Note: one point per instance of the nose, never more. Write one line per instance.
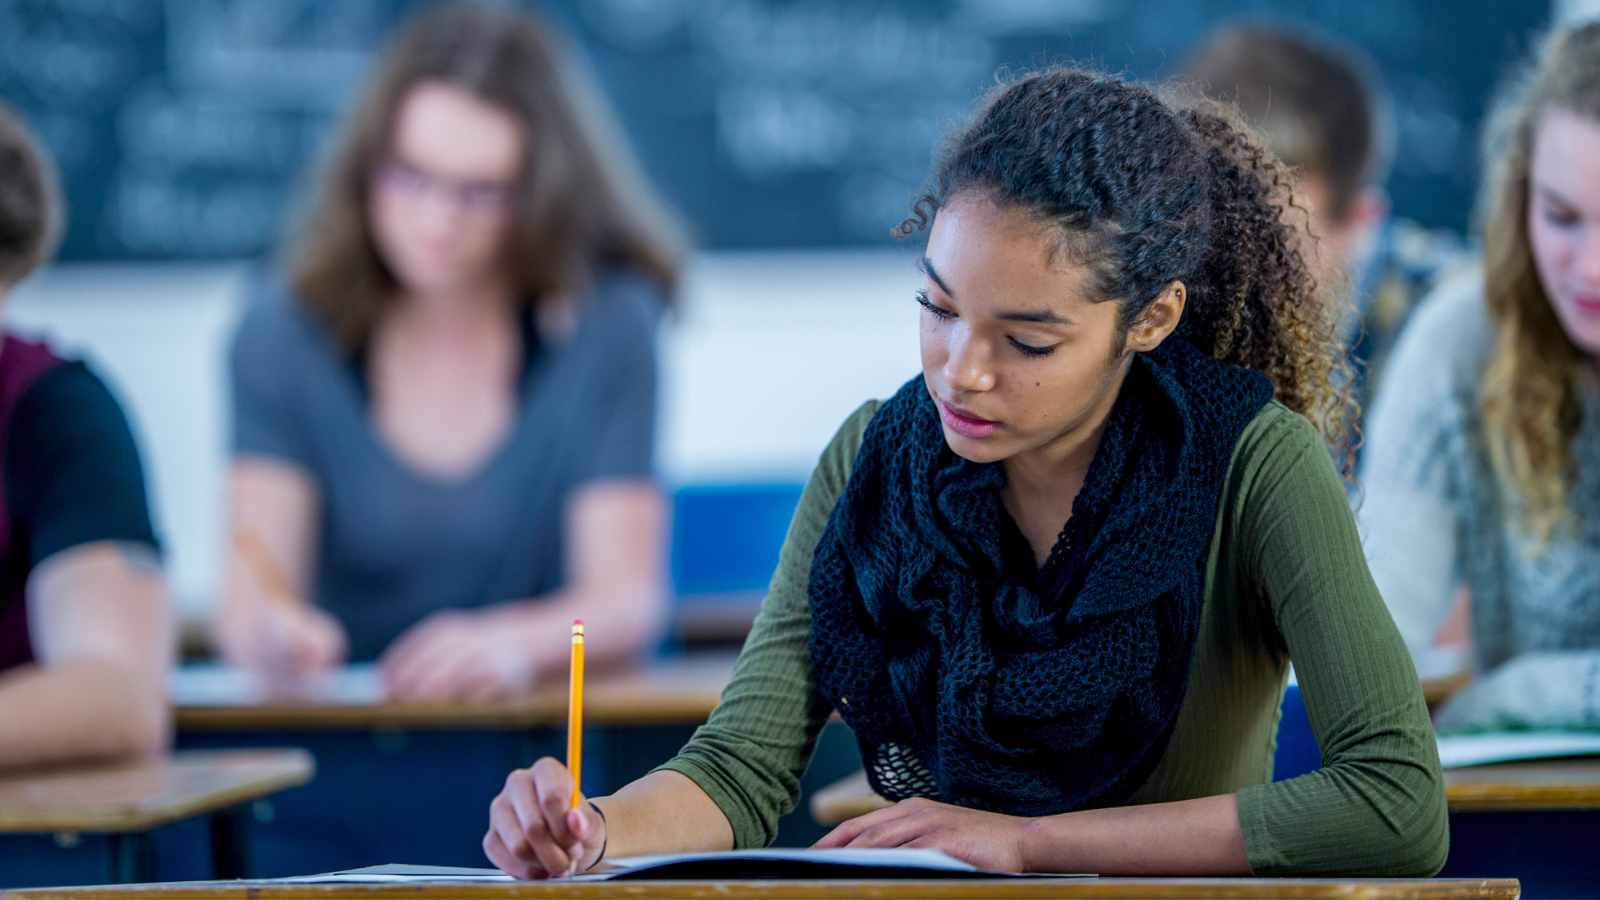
(968, 369)
(1588, 261)
(439, 209)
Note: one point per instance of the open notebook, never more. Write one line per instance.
(737, 865)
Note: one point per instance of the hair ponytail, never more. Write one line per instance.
(1265, 310)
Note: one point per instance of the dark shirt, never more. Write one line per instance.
(71, 475)
(397, 544)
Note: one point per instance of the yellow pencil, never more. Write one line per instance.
(575, 712)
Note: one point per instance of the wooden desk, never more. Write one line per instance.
(128, 799)
(1437, 690)
(1537, 819)
(1000, 889)
(678, 690)
(1530, 784)
(844, 800)
(381, 763)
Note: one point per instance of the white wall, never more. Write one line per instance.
(768, 353)
(773, 351)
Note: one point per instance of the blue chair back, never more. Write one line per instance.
(725, 538)
(1297, 746)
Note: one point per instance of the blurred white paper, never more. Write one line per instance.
(216, 684)
(394, 872)
(1481, 749)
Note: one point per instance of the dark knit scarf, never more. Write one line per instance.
(974, 678)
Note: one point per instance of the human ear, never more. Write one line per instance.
(1159, 319)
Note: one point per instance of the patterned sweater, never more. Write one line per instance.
(1434, 516)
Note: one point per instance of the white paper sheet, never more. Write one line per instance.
(936, 860)
(214, 684)
(1480, 749)
(932, 861)
(394, 872)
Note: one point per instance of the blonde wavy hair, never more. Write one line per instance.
(1530, 393)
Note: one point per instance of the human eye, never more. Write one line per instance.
(1561, 218)
(402, 176)
(1030, 349)
(930, 306)
(484, 195)
(1557, 213)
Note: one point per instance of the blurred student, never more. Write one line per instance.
(1483, 465)
(1053, 584)
(1320, 105)
(86, 632)
(444, 417)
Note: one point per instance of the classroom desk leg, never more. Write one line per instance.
(230, 843)
(131, 857)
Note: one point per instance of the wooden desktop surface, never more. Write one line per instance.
(1529, 784)
(678, 690)
(139, 795)
(675, 691)
(1003, 889)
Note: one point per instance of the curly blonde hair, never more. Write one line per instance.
(1530, 393)
(1151, 186)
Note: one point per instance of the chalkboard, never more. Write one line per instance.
(184, 128)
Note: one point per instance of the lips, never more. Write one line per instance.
(1588, 304)
(966, 424)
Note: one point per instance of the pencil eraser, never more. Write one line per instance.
(577, 621)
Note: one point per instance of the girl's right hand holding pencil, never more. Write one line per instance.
(536, 832)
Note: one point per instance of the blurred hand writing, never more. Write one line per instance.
(460, 655)
(284, 645)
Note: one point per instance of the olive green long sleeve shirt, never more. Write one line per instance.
(1285, 579)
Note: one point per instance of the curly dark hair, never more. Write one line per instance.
(1147, 188)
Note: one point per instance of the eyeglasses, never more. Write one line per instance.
(478, 197)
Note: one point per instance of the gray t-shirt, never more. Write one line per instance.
(398, 544)
(1436, 515)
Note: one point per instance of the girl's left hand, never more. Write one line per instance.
(987, 840)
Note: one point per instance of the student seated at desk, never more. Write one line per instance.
(86, 632)
(1054, 584)
(444, 419)
(1483, 459)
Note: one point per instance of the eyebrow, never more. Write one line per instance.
(1043, 316)
(1548, 193)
